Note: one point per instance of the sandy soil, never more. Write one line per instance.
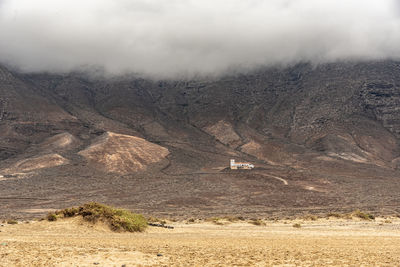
(317, 243)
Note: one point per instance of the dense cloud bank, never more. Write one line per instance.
(173, 38)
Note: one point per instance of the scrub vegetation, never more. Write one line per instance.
(117, 219)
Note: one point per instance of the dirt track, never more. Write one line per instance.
(317, 243)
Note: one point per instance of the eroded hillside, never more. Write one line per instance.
(331, 132)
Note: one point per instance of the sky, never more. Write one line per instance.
(184, 38)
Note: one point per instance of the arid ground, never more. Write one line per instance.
(324, 242)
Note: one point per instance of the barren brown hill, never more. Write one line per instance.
(123, 154)
(322, 138)
(35, 163)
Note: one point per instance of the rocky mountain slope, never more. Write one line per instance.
(331, 132)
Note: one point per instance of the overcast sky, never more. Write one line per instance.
(172, 38)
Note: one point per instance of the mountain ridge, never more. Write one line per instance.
(330, 128)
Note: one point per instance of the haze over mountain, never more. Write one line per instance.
(184, 38)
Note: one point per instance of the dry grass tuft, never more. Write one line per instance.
(156, 220)
(216, 220)
(257, 222)
(309, 217)
(355, 214)
(225, 219)
(334, 215)
(363, 215)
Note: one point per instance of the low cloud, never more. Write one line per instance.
(169, 39)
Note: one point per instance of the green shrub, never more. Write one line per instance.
(12, 222)
(117, 219)
(128, 221)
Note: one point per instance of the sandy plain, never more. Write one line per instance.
(325, 242)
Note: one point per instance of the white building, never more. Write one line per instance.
(241, 165)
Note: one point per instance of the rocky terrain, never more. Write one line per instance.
(322, 138)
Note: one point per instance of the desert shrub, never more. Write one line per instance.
(230, 218)
(71, 212)
(51, 217)
(215, 220)
(334, 214)
(363, 215)
(234, 218)
(297, 225)
(310, 217)
(117, 219)
(224, 220)
(257, 222)
(128, 221)
(12, 221)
